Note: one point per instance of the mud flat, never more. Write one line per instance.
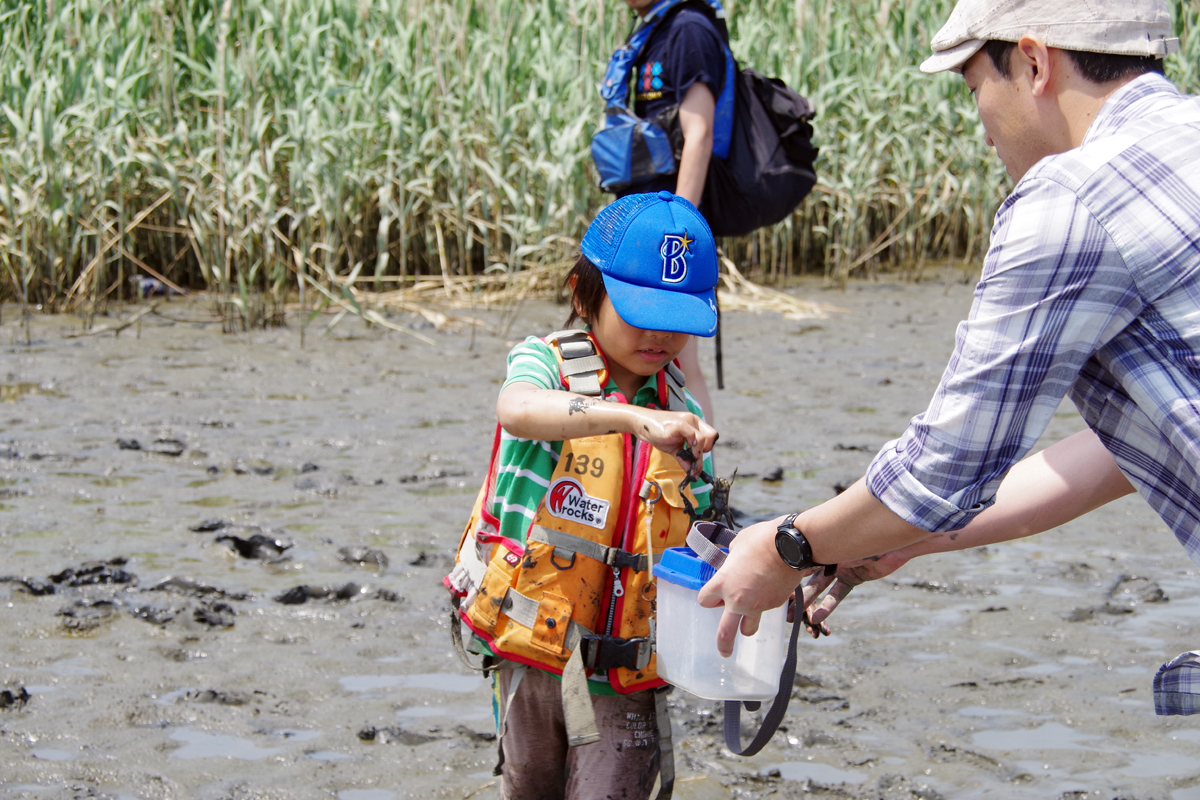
(222, 558)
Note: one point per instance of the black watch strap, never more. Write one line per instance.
(792, 545)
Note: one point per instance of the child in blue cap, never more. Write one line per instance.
(591, 477)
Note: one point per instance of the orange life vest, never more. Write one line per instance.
(582, 577)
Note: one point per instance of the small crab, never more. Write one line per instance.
(718, 499)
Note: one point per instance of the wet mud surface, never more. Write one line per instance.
(221, 555)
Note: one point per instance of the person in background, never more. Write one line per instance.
(682, 64)
(1090, 288)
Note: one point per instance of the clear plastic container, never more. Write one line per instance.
(687, 637)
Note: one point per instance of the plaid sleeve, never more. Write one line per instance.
(1177, 685)
(1053, 290)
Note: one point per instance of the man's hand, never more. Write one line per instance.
(752, 580)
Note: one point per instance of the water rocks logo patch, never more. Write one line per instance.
(567, 499)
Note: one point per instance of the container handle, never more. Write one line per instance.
(707, 539)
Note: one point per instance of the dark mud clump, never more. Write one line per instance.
(213, 696)
(215, 614)
(435, 559)
(364, 557)
(210, 525)
(258, 546)
(194, 588)
(92, 573)
(299, 595)
(29, 585)
(13, 699)
(86, 615)
(394, 734)
(1126, 594)
(165, 447)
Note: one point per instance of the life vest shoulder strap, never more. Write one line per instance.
(581, 365)
(676, 400)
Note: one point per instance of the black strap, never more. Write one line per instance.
(610, 652)
(666, 747)
(770, 723)
(717, 342)
(706, 539)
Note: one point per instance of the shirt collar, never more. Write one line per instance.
(642, 397)
(1135, 99)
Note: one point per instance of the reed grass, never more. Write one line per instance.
(271, 151)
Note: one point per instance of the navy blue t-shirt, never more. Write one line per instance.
(684, 49)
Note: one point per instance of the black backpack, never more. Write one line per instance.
(769, 166)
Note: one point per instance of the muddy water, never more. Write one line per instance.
(224, 557)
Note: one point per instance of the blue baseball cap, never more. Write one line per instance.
(658, 259)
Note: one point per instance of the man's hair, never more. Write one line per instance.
(1095, 67)
(588, 293)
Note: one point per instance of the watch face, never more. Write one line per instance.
(789, 548)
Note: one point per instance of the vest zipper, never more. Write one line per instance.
(617, 591)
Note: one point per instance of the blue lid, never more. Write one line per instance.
(681, 566)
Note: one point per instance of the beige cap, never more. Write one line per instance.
(1128, 27)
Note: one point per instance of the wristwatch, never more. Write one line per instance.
(793, 548)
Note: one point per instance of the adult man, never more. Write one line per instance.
(1091, 286)
(683, 64)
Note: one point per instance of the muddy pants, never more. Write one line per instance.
(538, 764)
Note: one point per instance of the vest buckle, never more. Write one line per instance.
(611, 652)
(622, 559)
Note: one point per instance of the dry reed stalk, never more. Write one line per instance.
(739, 294)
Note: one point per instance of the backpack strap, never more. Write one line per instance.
(614, 88)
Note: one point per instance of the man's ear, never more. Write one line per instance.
(1032, 55)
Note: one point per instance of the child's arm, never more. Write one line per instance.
(530, 412)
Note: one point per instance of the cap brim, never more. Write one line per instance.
(952, 58)
(663, 310)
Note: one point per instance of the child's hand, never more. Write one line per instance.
(669, 431)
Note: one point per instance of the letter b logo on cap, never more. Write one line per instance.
(674, 250)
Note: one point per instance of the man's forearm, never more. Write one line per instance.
(1048, 489)
(855, 525)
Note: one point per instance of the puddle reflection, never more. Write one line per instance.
(328, 755)
(73, 667)
(985, 713)
(1051, 736)
(197, 744)
(811, 770)
(1158, 766)
(435, 681)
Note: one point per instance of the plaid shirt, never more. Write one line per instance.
(1091, 287)
(1177, 686)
